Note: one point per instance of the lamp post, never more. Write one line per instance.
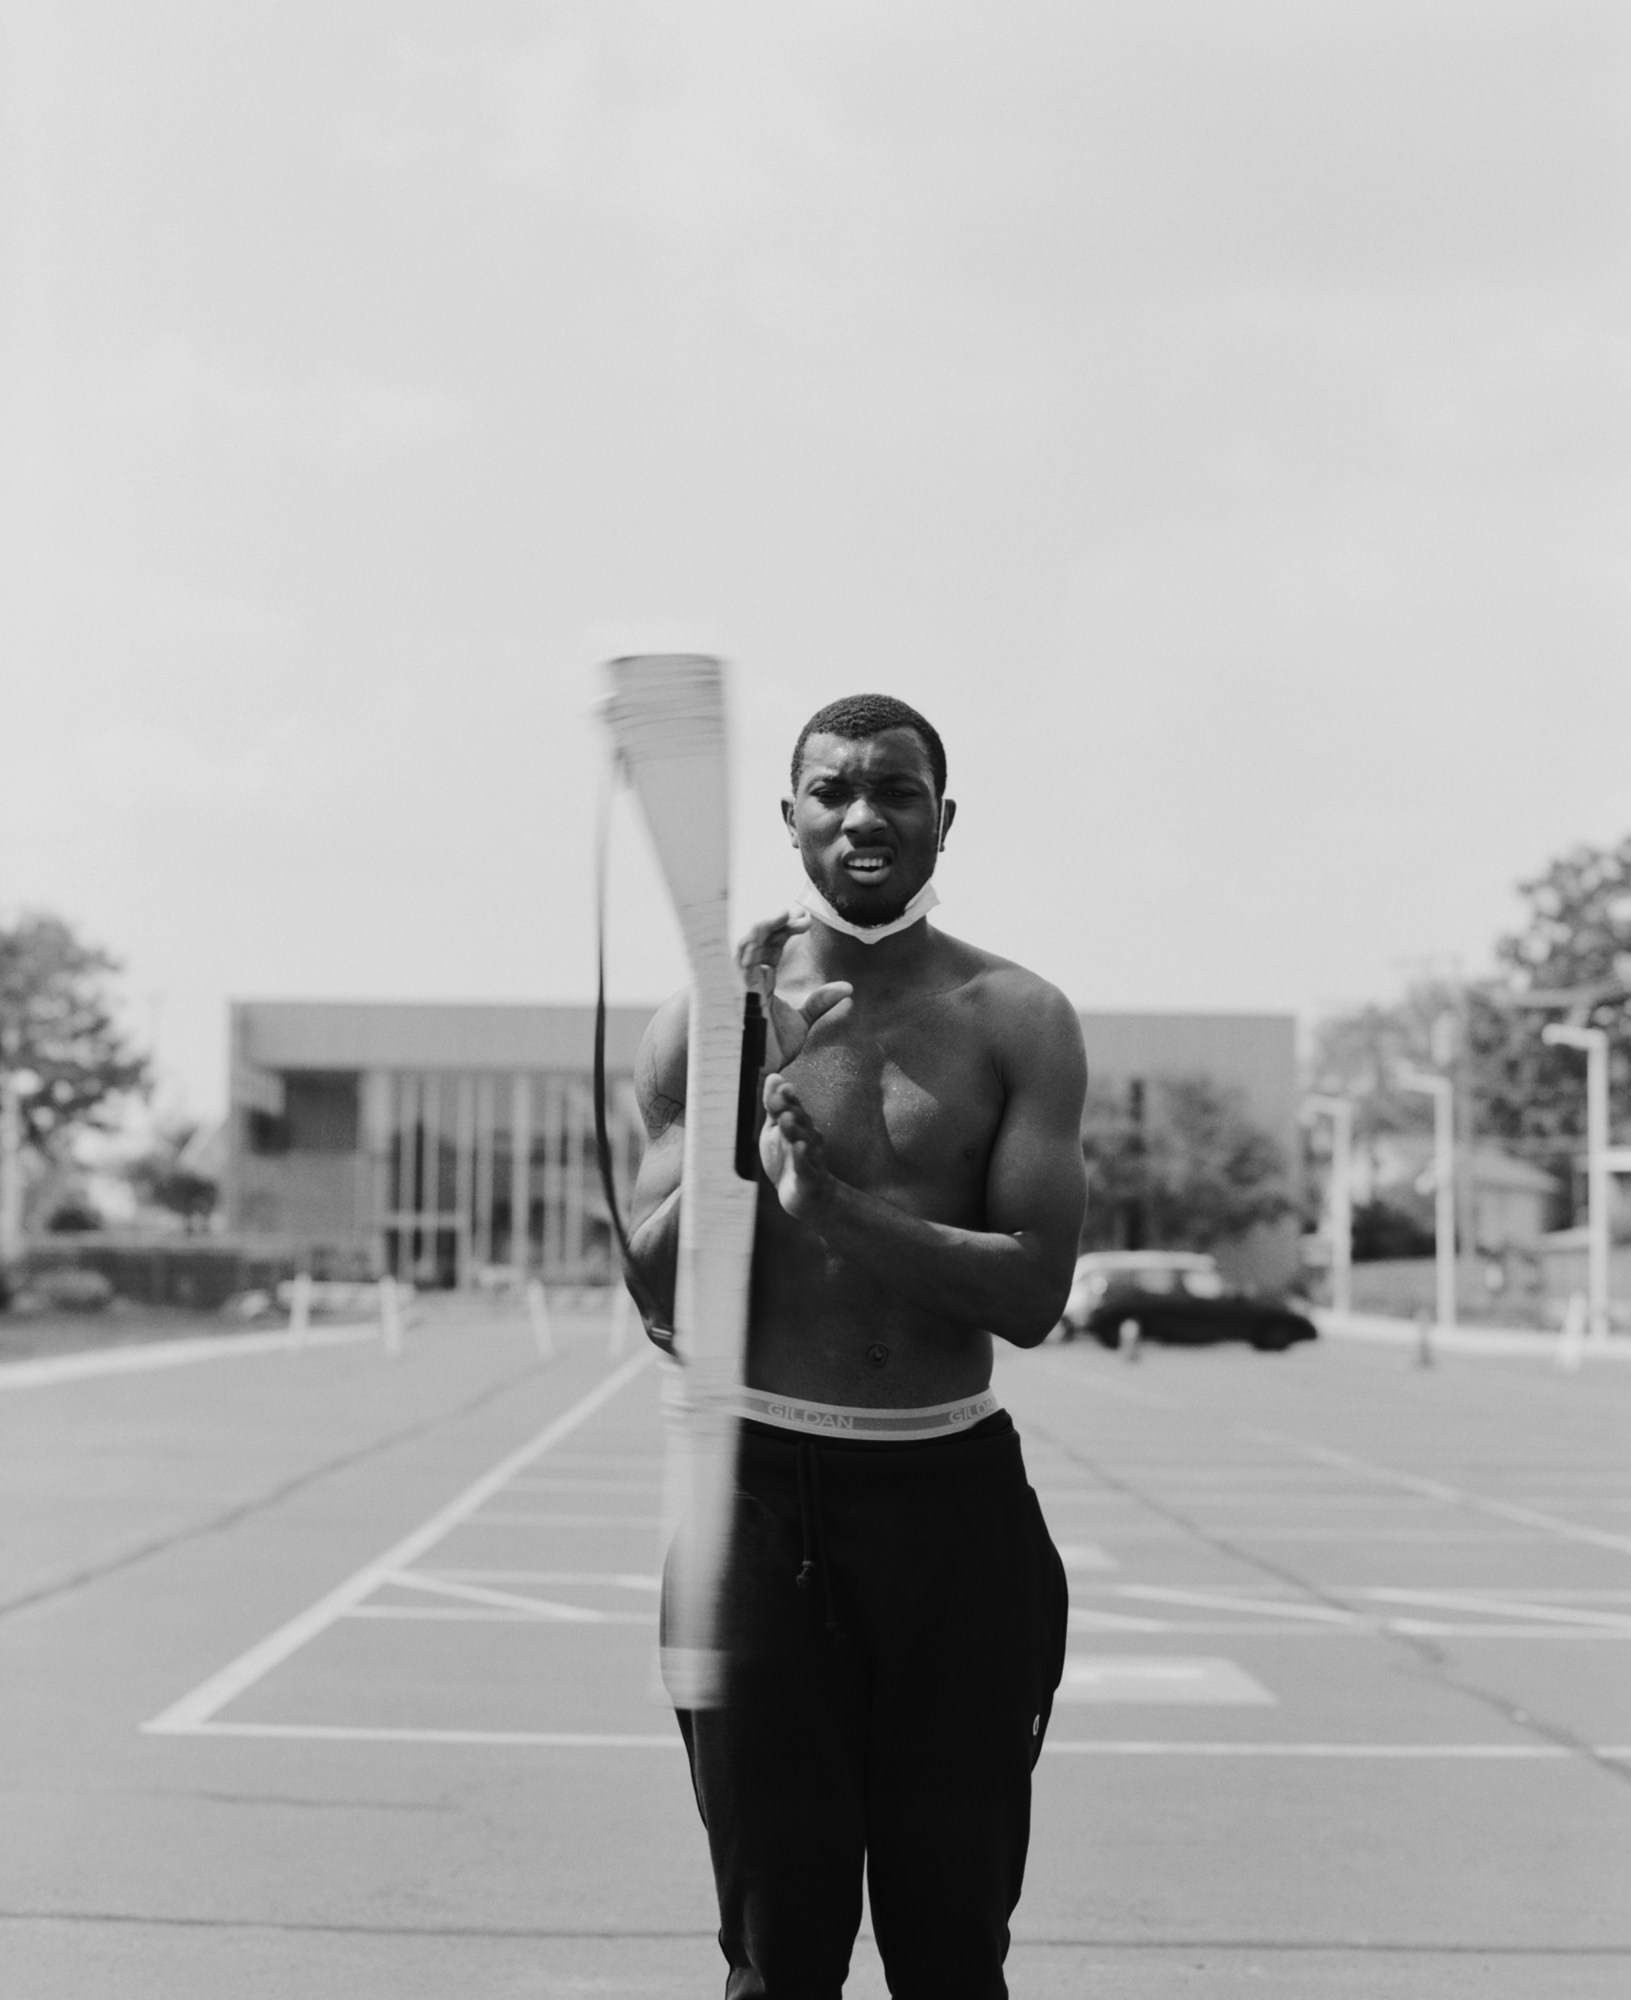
(1442, 1092)
(11, 1175)
(1598, 1165)
(1340, 1111)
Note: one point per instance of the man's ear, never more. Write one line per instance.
(948, 812)
(787, 820)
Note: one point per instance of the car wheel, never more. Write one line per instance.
(1271, 1343)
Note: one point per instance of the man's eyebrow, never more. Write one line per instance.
(819, 774)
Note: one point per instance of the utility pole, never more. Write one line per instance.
(1442, 1092)
(11, 1168)
(1339, 1199)
(1598, 1166)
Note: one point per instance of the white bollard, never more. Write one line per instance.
(300, 1308)
(1128, 1335)
(1424, 1337)
(390, 1317)
(1571, 1342)
(622, 1311)
(543, 1332)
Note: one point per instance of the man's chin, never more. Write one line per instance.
(863, 910)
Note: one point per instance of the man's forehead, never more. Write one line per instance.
(888, 753)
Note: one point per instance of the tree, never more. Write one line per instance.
(67, 1056)
(166, 1177)
(1517, 1092)
(1178, 1165)
(1576, 940)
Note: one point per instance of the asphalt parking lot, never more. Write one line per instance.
(332, 1674)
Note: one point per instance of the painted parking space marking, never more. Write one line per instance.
(141, 1357)
(1499, 1753)
(600, 1579)
(1450, 1496)
(1086, 1556)
(1161, 1677)
(563, 1601)
(513, 1601)
(1220, 1600)
(1096, 1746)
(513, 1517)
(197, 1709)
(1598, 1624)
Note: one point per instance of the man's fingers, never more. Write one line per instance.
(779, 1093)
(825, 998)
(767, 941)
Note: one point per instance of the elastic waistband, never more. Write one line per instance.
(986, 1458)
(841, 1421)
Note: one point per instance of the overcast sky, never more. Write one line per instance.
(1214, 416)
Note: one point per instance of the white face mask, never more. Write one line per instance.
(810, 898)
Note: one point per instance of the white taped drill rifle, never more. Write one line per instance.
(666, 714)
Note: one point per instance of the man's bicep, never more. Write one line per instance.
(661, 1169)
(1037, 1184)
(660, 1065)
(659, 1089)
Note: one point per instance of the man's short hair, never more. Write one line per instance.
(858, 716)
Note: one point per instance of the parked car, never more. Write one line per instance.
(1120, 1297)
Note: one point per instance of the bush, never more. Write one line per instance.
(72, 1290)
(73, 1216)
(1383, 1232)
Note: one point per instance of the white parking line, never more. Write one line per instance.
(140, 1357)
(194, 1712)
(1108, 1746)
(1451, 1496)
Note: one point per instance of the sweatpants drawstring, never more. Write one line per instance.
(812, 1538)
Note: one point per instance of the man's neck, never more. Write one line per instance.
(888, 962)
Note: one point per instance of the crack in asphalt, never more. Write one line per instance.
(1426, 1654)
(273, 1496)
(1453, 1948)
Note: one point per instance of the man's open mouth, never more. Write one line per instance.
(867, 867)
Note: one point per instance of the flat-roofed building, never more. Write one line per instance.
(428, 1140)
(432, 1140)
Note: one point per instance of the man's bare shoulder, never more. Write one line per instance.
(1028, 1018)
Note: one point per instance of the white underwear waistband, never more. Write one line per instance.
(792, 1413)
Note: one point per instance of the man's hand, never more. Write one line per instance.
(793, 1153)
(760, 955)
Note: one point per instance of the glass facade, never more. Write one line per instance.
(482, 1171)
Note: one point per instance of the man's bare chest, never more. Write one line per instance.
(899, 1103)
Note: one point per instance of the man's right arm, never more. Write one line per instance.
(659, 1088)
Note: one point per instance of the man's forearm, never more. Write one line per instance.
(979, 1277)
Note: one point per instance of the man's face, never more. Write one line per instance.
(866, 821)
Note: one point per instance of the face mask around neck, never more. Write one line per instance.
(810, 898)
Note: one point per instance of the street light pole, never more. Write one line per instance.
(11, 1174)
(1595, 1043)
(1340, 1111)
(1442, 1092)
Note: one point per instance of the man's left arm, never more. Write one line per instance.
(1012, 1277)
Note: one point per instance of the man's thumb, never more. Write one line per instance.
(824, 999)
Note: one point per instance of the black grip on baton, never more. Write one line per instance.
(749, 1108)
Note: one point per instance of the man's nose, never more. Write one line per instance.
(861, 815)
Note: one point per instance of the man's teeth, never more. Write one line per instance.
(867, 865)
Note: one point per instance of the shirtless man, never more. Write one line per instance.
(895, 1616)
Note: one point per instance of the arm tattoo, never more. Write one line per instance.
(657, 1108)
(661, 1113)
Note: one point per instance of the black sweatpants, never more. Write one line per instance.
(885, 1711)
